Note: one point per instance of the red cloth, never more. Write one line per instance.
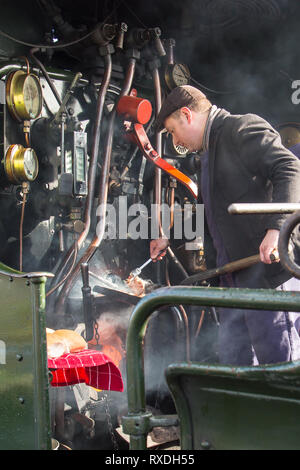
(89, 366)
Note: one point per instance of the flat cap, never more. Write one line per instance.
(185, 95)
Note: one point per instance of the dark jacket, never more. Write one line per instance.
(248, 163)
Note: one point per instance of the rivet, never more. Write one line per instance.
(22, 400)
(205, 445)
(19, 357)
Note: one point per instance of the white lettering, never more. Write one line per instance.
(188, 221)
(141, 221)
(2, 352)
(115, 460)
(295, 95)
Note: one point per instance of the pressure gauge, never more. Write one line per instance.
(24, 95)
(173, 151)
(180, 149)
(20, 164)
(289, 133)
(177, 75)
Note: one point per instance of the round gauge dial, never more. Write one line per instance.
(289, 133)
(177, 75)
(24, 95)
(20, 164)
(180, 149)
(30, 164)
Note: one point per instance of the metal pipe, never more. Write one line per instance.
(45, 73)
(183, 318)
(158, 140)
(157, 177)
(103, 190)
(170, 43)
(263, 208)
(265, 299)
(11, 66)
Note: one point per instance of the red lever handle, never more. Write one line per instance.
(139, 110)
(145, 146)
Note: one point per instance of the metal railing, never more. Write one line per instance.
(139, 422)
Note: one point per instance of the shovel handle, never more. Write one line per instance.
(226, 268)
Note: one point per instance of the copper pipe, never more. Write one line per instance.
(103, 190)
(92, 166)
(158, 139)
(27, 63)
(21, 230)
(27, 139)
(157, 196)
(183, 316)
(157, 175)
(200, 323)
(67, 275)
(171, 202)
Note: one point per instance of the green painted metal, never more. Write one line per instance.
(265, 299)
(237, 408)
(24, 383)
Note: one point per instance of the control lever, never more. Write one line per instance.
(56, 118)
(142, 140)
(87, 298)
(138, 111)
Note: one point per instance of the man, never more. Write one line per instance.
(242, 160)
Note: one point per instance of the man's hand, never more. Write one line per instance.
(156, 246)
(269, 245)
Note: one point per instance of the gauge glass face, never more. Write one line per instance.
(32, 96)
(181, 74)
(180, 149)
(30, 164)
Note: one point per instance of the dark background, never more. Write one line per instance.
(246, 51)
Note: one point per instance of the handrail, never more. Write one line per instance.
(138, 422)
(10, 272)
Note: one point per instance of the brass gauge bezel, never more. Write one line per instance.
(289, 133)
(15, 90)
(15, 164)
(177, 75)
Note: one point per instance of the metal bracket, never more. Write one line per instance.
(143, 423)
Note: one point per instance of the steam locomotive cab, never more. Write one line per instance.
(86, 182)
(81, 201)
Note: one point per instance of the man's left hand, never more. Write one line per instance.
(269, 245)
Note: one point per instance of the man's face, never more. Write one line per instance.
(184, 132)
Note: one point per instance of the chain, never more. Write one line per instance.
(109, 423)
(106, 400)
(97, 336)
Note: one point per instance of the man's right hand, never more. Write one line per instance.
(158, 248)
